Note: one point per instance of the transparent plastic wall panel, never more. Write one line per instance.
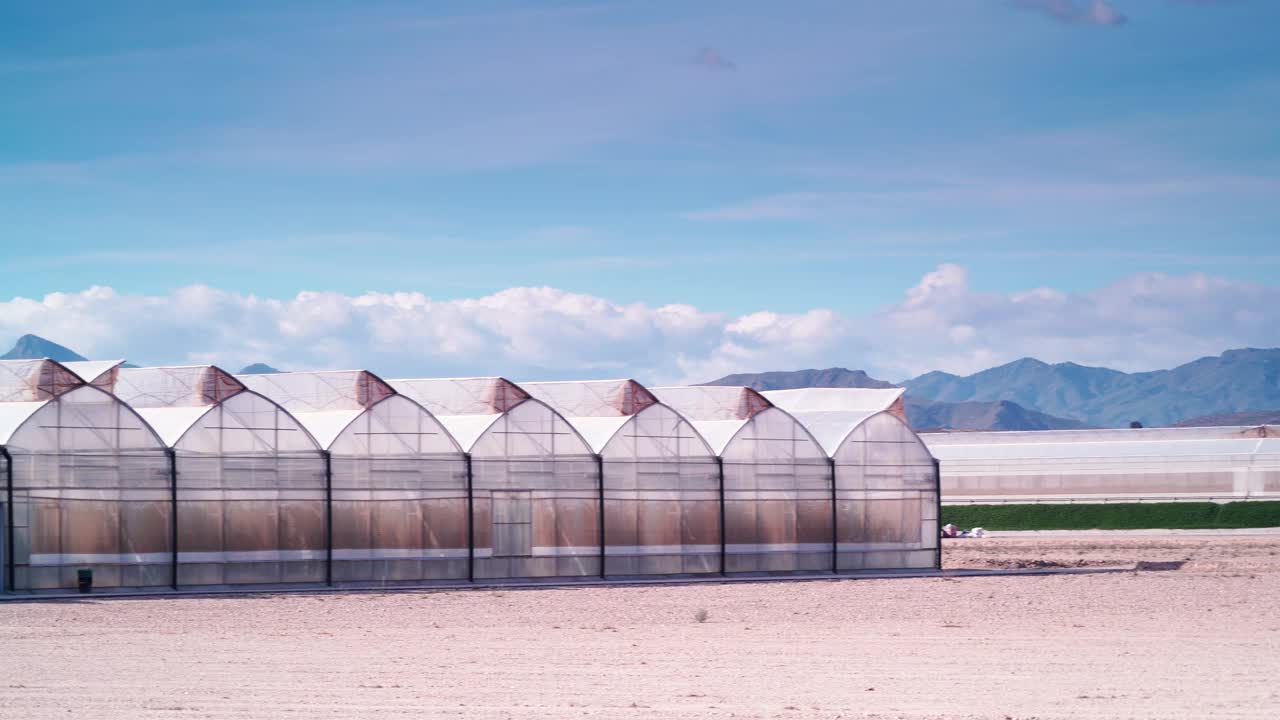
(886, 499)
(251, 497)
(777, 487)
(536, 504)
(91, 491)
(1148, 463)
(399, 497)
(662, 497)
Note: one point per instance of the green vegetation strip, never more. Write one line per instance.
(1114, 516)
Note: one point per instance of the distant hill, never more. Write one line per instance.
(34, 347)
(925, 415)
(258, 369)
(1260, 417)
(1236, 381)
(831, 377)
(921, 414)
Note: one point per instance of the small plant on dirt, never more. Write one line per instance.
(701, 615)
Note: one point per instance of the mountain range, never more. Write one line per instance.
(1237, 387)
(34, 347)
(1027, 394)
(1236, 381)
(922, 413)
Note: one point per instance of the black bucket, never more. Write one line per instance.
(84, 579)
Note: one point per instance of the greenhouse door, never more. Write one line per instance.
(513, 523)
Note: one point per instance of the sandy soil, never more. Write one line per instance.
(1199, 641)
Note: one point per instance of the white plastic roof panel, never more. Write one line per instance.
(14, 414)
(99, 373)
(326, 425)
(598, 431)
(593, 398)
(835, 399)
(467, 429)
(301, 392)
(717, 412)
(462, 396)
(713, 402)
(187, 385)
(600, 409)
(84, 419)
(469, 407)
(831, 414)
(32, 380)
(171, 423)
(830, 428)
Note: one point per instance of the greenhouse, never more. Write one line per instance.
(86, 484)
(886, 482)
(661, 481)
(250, 480)
(777, 479)
(398, 480)
(1204, 463)
(534, 480)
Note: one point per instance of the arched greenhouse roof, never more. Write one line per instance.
(600, 409)
(470, 407)
(28, 387)
(328, 402)
(175, 399)
(833, 414)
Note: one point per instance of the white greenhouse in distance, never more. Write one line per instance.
(1141, 464)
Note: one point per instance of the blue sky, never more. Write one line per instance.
(738, 158)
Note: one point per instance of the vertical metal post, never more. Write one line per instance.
(600, 515)
(724, 558)
(835, 518)
(10, 572)
(471, 522)
(328, 518)
(937, 523)
(173, 517)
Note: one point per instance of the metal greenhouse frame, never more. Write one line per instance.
(886, 483)
(250, 484)
(86, 484)
(660, 481)
(397, 478)
(533, 480)
(777, 491)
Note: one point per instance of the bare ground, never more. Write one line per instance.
(1199, 641)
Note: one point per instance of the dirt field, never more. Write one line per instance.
(1199, 641)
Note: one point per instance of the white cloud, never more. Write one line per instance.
(1144, 321)
(1085, 12)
